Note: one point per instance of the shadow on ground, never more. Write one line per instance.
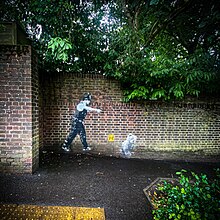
(66, 179)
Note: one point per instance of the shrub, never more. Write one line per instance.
(193, 198)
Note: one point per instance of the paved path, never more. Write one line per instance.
(90, 181)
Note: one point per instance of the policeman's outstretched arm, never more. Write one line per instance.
(92, 109)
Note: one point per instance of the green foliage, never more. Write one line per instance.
(74, 37)
(158, 50)
(2, 28)
(159, 71)
(59, 48)
(195, 197)
(72, 21)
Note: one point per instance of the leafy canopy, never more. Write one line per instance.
(157, 49)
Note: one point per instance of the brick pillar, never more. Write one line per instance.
(19, 126)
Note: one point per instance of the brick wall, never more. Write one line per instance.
(30, 120)
(19, 124)
(174, 130)
(36, 132)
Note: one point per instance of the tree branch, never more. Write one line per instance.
(158, 27)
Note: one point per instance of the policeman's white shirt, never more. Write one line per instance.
(84, 105)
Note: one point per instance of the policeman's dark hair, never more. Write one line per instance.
(87, 96)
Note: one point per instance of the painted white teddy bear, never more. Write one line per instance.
(128, 145)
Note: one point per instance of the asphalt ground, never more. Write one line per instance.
(83, 180)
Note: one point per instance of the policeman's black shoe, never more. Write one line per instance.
(87, 149)
(65, 148)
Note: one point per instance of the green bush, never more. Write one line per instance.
(194, 197)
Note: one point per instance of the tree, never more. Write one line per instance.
(166, 49)
(73, 37)
(158, 49)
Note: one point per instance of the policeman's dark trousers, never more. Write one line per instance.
(76, 128)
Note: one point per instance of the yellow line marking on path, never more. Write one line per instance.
(28, 212)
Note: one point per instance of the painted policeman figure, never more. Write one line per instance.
(77, 126)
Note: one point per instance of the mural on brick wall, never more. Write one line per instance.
(163, 130)
(128, 146)
(77, 126)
